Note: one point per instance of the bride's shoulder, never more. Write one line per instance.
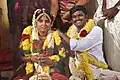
(27, 30)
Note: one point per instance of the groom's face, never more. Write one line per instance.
(79, 18)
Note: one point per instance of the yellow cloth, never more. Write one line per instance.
(4, 17)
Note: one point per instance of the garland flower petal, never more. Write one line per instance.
(55, 58)
(86, 67)
(46, 69)
(56, 38)
(27, 30)
(26, 44)
(25, 36)
(62, 52)
(99, 64)
(89, 25)
(29, 68)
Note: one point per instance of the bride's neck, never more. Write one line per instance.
(42, 34)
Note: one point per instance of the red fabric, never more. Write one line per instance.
(83, 33)
(56, 70)
(58, 76)
(18, 78)
(25, 36)
(6, 56)
(36, 46)
(17, 6)
(4, 67)
(6, 60)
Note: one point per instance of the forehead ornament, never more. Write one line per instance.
(44, 14)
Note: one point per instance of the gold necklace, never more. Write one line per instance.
(42, 38)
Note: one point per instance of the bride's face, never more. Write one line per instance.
(43, 24)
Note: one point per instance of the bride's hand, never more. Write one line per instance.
(46, 61)
(34, 58)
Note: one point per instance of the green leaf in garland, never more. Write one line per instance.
(34, 50)
(50, 49)
(37, 50)
(40, 50)
(26, 51)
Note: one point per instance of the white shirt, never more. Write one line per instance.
(110, 3)
(92, 42)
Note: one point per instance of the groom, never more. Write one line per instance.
(83, 36)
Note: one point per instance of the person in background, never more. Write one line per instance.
(6, 60)
(62, 20)
(85, 39)
(29, 6)
(107, 16)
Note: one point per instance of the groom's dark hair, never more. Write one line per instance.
(78, 8)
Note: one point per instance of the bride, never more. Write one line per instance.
(42, 48)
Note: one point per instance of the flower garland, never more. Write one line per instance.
(30, 47)
(86, 59)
